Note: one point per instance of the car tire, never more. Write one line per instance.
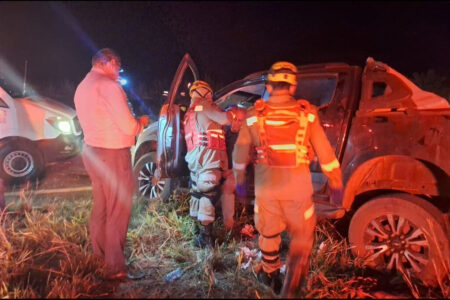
(145, 184)
(401, 232)
(20, 162)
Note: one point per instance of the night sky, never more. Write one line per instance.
(227, 40)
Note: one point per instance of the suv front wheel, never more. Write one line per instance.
(146, 184)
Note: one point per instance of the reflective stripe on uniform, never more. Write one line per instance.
(283, 147)
(215, 130)
(311, 117)
(309, 212)
(330, 166)
(198, 108)
(238, 166)
(275, 123)
(251, 120)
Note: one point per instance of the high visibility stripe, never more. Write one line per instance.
(238, 166)
(283, 147)
(275, 123)
(215, 130)
(251, 120)
(279, 112)
(330, 166)
(311, 117)
(303, 122)
(309, 212)
(198, 108)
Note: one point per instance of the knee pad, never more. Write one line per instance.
(209, 180)
(193, 204)
(206, 210)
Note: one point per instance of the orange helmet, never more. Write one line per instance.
(199, 84)
(283, 71)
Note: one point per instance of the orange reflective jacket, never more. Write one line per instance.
(282, 132)
(212, 138)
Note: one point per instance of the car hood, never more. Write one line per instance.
(49, 104)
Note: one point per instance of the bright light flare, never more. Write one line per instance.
(123, 81)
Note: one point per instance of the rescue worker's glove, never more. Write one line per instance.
(336, 196)
(143, 121)
(241, 189)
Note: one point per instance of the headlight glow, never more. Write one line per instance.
(64, 126)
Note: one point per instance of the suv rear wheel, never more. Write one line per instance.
(402, 232)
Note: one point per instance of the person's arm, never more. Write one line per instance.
(241, 153)
(216, 114)
(116, 104)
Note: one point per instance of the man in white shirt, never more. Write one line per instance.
(109, 131)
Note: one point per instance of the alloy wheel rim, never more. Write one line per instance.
(149, 187)
(395, 243)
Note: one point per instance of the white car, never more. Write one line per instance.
(34, 130)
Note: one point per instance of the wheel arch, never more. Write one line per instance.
(18, 139)
(393, 173)
(143, 148)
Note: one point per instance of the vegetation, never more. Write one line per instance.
(45, 253)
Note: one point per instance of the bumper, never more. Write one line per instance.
(64, 146)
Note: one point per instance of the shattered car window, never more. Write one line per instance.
(244, 96)
(318, 90)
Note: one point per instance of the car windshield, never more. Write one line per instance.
(13, 87)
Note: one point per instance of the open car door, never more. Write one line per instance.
(171, 147)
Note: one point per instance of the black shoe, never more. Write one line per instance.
(273, 280)
(203, 241)
(204, 238)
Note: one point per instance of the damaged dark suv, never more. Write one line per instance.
(390, 137)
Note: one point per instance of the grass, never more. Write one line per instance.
(45, 253)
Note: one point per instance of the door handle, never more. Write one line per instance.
(381, 119)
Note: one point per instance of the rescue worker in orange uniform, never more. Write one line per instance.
(206, 156)
(282, 130)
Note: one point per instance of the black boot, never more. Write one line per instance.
(296, 270)
(272, 280)
(204, 238)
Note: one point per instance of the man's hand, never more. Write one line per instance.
(241, 190)
(336, 197)
(143, 120)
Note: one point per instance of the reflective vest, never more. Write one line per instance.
(212, 138)
(282, 133)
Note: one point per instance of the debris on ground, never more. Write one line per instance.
(248, 230)
(174, 275)
(248, 256)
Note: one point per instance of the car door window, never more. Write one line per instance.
(317, 89)
(244, 96)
